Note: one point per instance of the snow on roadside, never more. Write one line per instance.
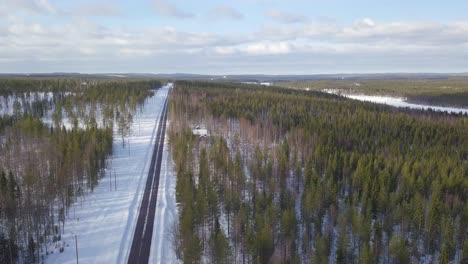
(162, 249)
(104, 220)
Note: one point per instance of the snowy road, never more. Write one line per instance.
(141, 245)
(104, 221)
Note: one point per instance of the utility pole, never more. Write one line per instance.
(76, 248)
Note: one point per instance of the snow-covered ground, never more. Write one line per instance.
(397, 102)
(104, 220)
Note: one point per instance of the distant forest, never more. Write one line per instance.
(441, 92)
(55, 137)
(294, 176)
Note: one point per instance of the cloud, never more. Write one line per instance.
(43, 7)
(363, 45)
(225, 12)
(366, 22)
(256, 48)
(46, 8)
(367, 31)
(285, 17)
(95, 10)
(166, 8)
(402, 36)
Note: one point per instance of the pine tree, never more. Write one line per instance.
(308, 174)
(3, 191)
(399, 250)
(443, 258)
(12, 186)
(220, 245)
(434, 217)
(418, 212)
(321, 251)
(365, 256)
(448, 238)
(3, 183)
(264, 244)
(341, 251)
(464, 255)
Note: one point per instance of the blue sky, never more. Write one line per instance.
(233, 37)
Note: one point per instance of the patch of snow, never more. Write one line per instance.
(259, 83)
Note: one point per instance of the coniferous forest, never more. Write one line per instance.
(294, 176)
(449, 92)
(55, 137)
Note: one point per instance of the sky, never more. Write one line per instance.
(233, 36)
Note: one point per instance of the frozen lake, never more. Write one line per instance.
(397, 102)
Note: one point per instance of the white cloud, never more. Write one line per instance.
(366, 22)
(256, 48)
(32, 6)
(225, 12)
(268, 40)
(367, 44)
(285, 17)
(47, 8)
(268, 48)
(226, 50)
(168, 9)
(95, 9)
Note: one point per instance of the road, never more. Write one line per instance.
(141, 244)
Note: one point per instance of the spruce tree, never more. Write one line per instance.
(443, 258)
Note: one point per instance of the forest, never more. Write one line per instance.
(443, 92)
(55, 138)
(296, 176)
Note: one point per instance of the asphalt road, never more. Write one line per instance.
(141, 244)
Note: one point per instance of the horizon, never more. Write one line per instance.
(268, 37)
(456, 74)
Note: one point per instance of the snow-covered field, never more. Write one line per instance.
(397, 102)
(104, 220)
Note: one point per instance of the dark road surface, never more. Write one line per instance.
(141, 244)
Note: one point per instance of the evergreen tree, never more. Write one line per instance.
(399, 250)
(3, 183)
(220, 245)
(365, 256)
(443, 258)
(434, 217)
(464, 255)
